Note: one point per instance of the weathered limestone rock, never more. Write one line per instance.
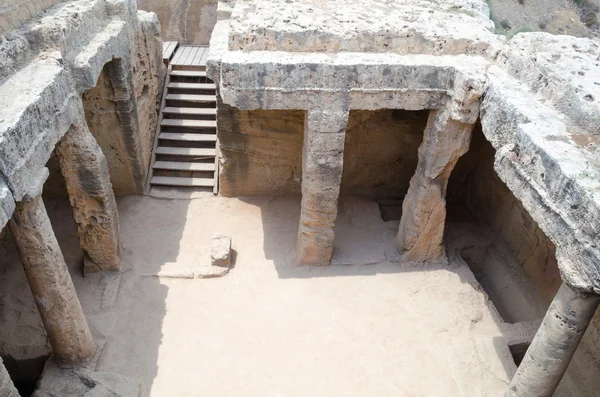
(7, 203)
(221, 250)
(322, 165)
(28, 128)
(148, 79)
(7, 388)
(554, 344)
(120, 74)
(46, 64)
(260, 151)
(545, 135)
(85, 170)
(15, 12)
(56, 382)
(424, 209)
(51, 284)
(402, 26)
(186, 21)
(212, 271)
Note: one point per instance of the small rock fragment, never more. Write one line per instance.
(221, 250)
(177, 274)
(212, 272)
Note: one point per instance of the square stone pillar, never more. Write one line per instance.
(51, 284)
(322, 164)
(95, 212)
(424, 208)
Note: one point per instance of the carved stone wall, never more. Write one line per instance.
(187, 21)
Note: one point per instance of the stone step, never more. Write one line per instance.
(189, 137)
(192, 98)
(192, 86)
(184, 123)
(186, 151)
(181, 181)
(190, 111)
(184, 166)
(188, 73)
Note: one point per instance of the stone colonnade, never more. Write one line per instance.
(420, 234)
(424, 209)
(86, 175)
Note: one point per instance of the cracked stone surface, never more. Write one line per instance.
(547, 151)
(402, 26)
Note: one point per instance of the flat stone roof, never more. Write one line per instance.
(541, 111)
(396, 26)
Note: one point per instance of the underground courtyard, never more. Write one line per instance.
(292, 198)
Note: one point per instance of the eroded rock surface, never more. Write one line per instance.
(540, 118)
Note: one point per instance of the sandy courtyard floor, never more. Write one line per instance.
(366, 327)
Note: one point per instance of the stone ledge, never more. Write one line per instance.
(36, 108)
(111, 42)
(66, 26)
(277, 80)
(563, 72)
(557, 180)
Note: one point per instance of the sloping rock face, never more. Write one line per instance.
(540, 112)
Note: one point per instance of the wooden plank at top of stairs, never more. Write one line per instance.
(198, 57)
(185, 55)
(186, 151)
(184, 166)
(189, 123)
(181, 181)
(191, 98)
(191, 56)
(190, 111)
(204, 57)
(192, 86)
(169, 48)
(188, 73)
(187, 137)
(178, 54)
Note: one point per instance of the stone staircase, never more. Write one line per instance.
(185, 150)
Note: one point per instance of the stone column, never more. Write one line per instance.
(7, 387)
(554, 344)
(322, 162)
(424, 208)
(85, 170)
(51, 284)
